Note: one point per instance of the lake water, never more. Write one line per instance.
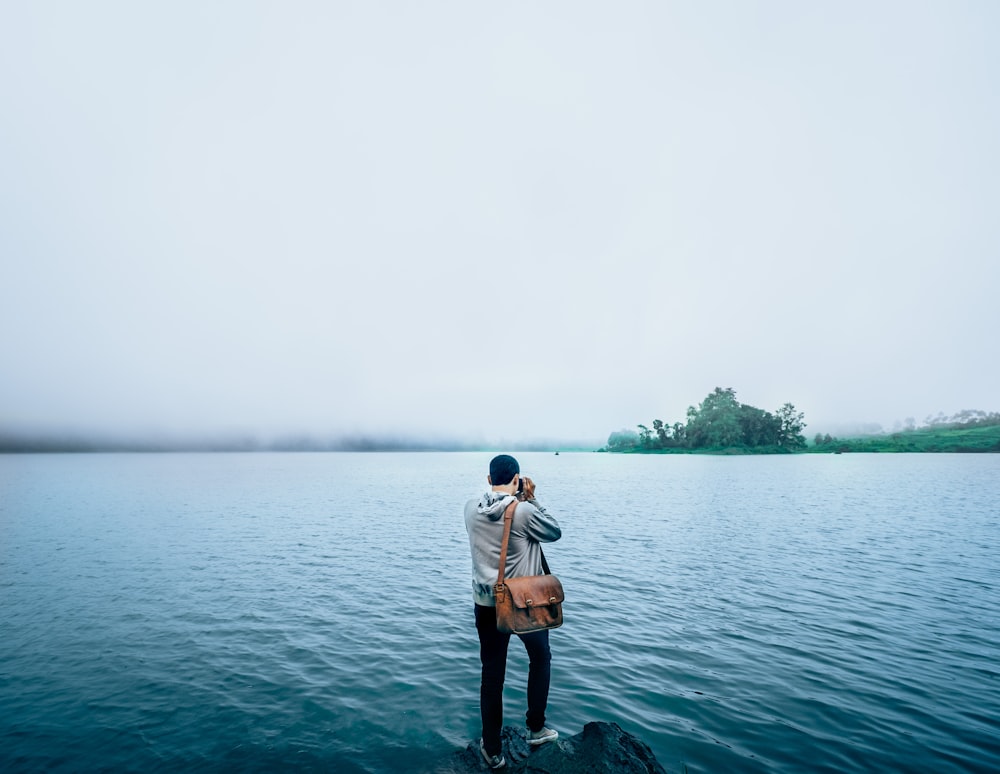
(260, 612)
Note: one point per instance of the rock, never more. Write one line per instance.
(601, 748)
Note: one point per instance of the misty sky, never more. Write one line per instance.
(483, 220)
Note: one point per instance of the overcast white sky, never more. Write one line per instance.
(517, 220)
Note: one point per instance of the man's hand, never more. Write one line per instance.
(529, 488)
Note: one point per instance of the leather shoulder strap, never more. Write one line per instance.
(508, 519)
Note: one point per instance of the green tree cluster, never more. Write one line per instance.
(965, 418)
(719, 422)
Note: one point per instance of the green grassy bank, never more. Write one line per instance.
(972, 438)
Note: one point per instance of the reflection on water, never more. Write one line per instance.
(262, 611)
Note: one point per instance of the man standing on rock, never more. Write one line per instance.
(531, 526)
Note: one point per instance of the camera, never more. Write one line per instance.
(525, 488)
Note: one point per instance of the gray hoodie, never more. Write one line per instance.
(531, 526)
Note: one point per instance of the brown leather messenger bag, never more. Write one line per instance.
(528, 604)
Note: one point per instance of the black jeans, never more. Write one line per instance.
(493, 654)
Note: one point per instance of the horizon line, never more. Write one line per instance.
(82, 443)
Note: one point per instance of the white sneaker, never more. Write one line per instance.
(542, 736)
(493, 761)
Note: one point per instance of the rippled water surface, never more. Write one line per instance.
(313, 611)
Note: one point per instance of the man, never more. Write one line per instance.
(531, 526)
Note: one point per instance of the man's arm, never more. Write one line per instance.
(541, 525)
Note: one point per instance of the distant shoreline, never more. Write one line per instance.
(964, 439)
(11, 444)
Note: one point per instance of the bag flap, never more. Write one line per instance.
(535, 590)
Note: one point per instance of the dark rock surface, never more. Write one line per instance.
(601, 748)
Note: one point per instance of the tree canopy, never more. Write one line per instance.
(719, 422)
